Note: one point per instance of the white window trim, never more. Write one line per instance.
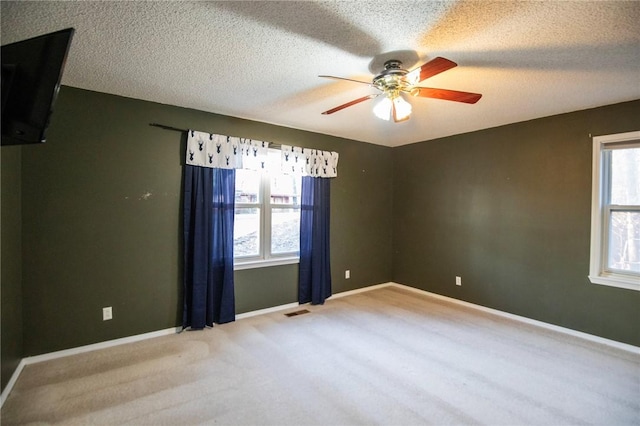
(264, 259)
(597, 273)
(240, 265)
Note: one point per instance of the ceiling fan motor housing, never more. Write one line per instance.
(392, 79)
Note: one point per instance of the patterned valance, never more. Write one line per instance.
(225, 152)
(309, 162)
(230, 152)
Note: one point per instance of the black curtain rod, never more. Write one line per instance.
(162, 126)
(175, 129)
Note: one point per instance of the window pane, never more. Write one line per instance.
(246, 232)
(285, 189)
(247, 186)
(624, 241)
(625, 176)
(285, 231)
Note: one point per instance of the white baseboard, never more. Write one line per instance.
(100, 345)
(78, 350)
(267, 310)
(139, 337)
(12, 382)
(360, 290)
(590, 337)
(296, 304)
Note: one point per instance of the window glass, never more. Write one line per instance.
(285, 230)
(624, 241)
(246, 232)
(285, 189)
(625, 176)
(247, 186)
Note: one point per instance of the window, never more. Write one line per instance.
(615, 218)
(267, 216)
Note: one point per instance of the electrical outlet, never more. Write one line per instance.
(458, 280)
(347, 274)
(107, 313)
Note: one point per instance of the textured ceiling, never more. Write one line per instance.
(261, 60)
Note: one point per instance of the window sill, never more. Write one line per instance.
(277, 261)
(620, 281)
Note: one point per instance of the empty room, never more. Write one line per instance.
(414, 212)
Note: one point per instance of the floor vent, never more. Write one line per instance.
(296, 313)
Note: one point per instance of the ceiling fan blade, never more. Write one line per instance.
(348, 104)
(429, 69)
(447, 95)
(346, 79)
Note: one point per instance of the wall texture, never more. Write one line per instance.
(102, 227)
(11, 266)
(92, 219)
(508, 209)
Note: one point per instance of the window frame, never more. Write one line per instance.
(265, 257)
(601, 210)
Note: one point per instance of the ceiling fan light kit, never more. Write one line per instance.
(395, 80)
(401, 109)
(396, 108)
(382, 110)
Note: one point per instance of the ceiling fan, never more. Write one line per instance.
(394, 80)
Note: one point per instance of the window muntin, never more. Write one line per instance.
(615, 227)
(267, 216)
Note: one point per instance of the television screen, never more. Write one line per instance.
(31, 74)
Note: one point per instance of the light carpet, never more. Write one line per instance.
(386, 356)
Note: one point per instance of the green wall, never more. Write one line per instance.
(11, 262)
(92, 219)
(102, 227)
(508, 209)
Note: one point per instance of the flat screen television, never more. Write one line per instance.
(31, 74)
